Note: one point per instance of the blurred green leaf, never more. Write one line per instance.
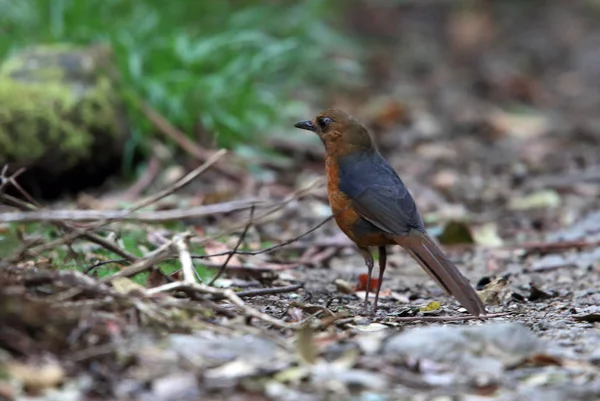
(228, 65)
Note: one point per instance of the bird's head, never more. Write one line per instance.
(340, 132)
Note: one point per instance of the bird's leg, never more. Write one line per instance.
(382, 262)
(369, 262)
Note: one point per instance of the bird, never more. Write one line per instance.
(373, 207)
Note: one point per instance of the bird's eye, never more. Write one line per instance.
(324, 122)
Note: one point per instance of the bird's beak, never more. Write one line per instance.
(307, 125)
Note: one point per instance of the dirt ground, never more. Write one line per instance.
(489, 114)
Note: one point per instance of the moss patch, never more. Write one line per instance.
(52, 105)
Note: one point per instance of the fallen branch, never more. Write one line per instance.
(158, 216)
(74, 233)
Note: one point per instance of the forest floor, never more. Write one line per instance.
(503, 164)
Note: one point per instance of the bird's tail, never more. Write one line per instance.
(422, 248)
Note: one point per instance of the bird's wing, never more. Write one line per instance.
(378, 194)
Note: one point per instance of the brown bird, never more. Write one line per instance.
(373, 207)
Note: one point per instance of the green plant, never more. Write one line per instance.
(226, 66)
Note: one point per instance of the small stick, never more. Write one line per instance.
(449, 318)
(235, 248)
(84, 232)
(182, 140)
(4, 180)
(266, 291)
(187, 265)
(180, 183)
(150, 172)
(158, 255)
(88, 269)
(269, 249)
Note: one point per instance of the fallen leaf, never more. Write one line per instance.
(292, 375)
(542, 199)
(212, 247)
(537, 294)
(544, 360)
(493, 293)
(369, 327)
(123, 285)
(343, 286)
(305, 344)
(520, 125)
(362, 283)
(487, 235)
(36, 378)
(431, 306)
(155, 279)
(456, 232)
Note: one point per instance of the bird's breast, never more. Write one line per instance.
(347, 218)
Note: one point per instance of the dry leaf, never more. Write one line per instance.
(343, 286)
(456, 232)
(590, 317)
(36, 378)
(431, 306)
(542, 199)
(213, 247)
(305, 344)
(123, 285)
(494, 291)
(487, 235)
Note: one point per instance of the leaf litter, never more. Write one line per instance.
(514, 191)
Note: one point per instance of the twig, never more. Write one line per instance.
(88, 269)
(187, 265)
(84, 232)
(181, 182)
(228, 294)
(547, 247)
(4, 180)
(148, 176)
(14, 183)
(182, 140)
(265, 291)
(290, 198)
(97, 350)
(160, 254)
(74, 232)
(235, 248)
(449, 318)
(269, 249)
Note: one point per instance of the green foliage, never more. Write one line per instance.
(228, 65)
(134, 241)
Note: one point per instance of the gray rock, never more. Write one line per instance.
(480, 353)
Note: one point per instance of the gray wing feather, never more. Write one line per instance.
(378, 194)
